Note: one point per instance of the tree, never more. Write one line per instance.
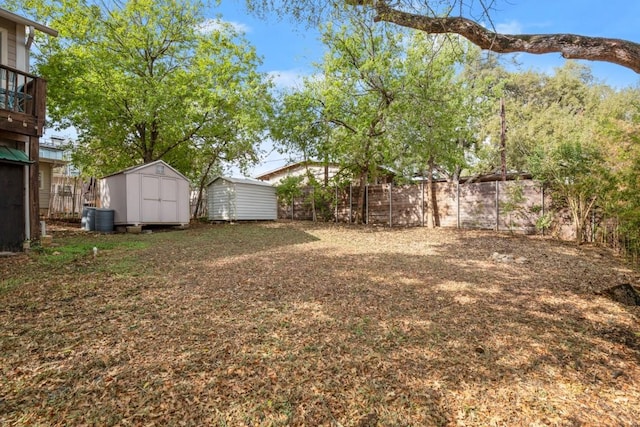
(358, 86)
(288, 189)
(432, 112)
(145, 80)
(577, 174)
(447, 16)
(541, 109)
(619, 135)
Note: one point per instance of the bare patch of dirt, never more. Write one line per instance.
(302, 324)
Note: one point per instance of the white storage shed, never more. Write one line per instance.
(235, 199)
(149, 194)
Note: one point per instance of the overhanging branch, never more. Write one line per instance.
(570, 46)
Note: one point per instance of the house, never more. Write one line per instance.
(52, 161)
(150, 194)
(61, 187)
(235, 199)
(321, 171)
(22, 118)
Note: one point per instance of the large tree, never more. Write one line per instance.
(432, 113)
(358, 84)
(142, 80)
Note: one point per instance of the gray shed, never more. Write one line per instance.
(149, 194)
(234, 199)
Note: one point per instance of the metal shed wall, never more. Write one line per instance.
(221, 200)
(232, 199)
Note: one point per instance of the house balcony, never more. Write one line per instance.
(22, 102)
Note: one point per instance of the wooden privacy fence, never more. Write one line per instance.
(497, 205)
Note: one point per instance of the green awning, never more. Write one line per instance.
(12, 155)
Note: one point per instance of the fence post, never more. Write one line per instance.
(422, 202)
(497, 205)
(390, 208)
(350, 203)
(336, 207)
(542, 193)
(366, 204)
(458, 203)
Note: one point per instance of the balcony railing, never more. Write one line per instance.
(22, 100)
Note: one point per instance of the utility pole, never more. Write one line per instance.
(503, 141)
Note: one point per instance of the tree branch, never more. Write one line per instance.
(571, 46)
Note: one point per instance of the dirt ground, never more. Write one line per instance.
(278, 324)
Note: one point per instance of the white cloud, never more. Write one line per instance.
(511, 27)
(287, 78)
(217, 24)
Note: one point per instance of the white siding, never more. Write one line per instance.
(231, 199)
(256, 202)
(221, 199)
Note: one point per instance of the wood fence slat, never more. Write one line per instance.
(482, 205)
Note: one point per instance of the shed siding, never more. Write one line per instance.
(133, 199)
(110, 189)
(256, 202)
(221, 201)
(141, 196)
(230, 200)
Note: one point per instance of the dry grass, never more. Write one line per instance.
(299, 324)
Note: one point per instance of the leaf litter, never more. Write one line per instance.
(278, 324)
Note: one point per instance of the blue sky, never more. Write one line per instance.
(288, 50)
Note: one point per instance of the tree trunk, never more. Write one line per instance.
(203, 180)
(360, 208)
(433, 219)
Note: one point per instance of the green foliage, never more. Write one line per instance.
(299, 127)
(545, 221)
(289, 188)
(321, 199)
(359, 86)
(6, 285)
(342, 117)
(576, 173)
(512, 206)
(434, 113)
(147, 80)
(75, 250)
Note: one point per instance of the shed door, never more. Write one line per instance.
(11, 207)
(159, 199)
(169, 199)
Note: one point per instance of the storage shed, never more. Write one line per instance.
(153, 193)
(234, 199)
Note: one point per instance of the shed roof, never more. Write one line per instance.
(240, 181)
(27, 22)
(13, 155)
(136, 168)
